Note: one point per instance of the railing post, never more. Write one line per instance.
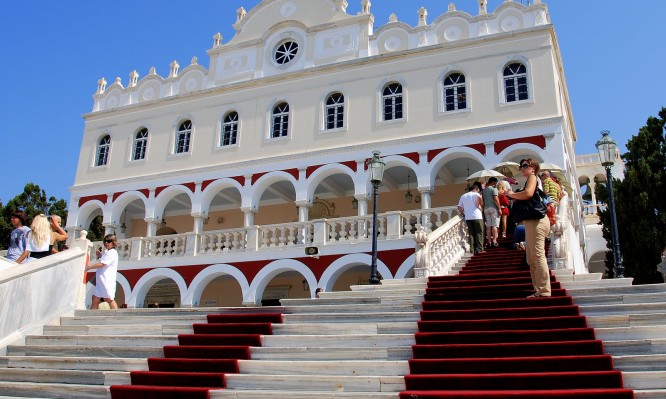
(393, 225)
(320, 236)
(192, 244)
(252, 238)
(136, 249)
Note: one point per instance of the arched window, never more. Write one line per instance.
(103, 146)
(392, 101)
(455, 92)
(515, 82)
(183, 137)
(229, 129)
(335, 111)
(280, 119)
(140, 144)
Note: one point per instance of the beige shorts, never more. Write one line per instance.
(492, 217)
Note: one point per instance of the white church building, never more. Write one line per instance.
(217, 176)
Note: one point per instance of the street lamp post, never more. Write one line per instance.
(376, 174)
(607, 149)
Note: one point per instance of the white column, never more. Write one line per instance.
(151, 228)
(362, 211)
(426, 203)
(592, 186)
(197, 228)
(303, 210)
(248, 216)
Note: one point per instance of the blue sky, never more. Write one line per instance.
(53, 52)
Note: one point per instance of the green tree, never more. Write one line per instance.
(641, 204)
(33, 201)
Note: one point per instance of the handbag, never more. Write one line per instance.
(532, 209)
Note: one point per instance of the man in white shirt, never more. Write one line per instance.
(470, 206)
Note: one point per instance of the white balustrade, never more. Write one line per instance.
(164, 246)
(285, 234)
(438, 251)
(218, 241)
(430, 219)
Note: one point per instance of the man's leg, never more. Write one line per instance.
(478, 235)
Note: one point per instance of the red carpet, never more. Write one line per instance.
(201, 360)
(479, 337)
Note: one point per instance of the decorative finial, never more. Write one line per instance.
(365, 6)
(152, 71)
(423, 13)
(118, 81)
(173, 72)
(194, 60)
(134, 78)
(217, 39)
(240, 14)
(483, 7)
(101, 86)
(393, 18)
(452, 7)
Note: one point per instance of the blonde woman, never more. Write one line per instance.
(536, 231)
(105, 274)
(503, 187)
(39, 239)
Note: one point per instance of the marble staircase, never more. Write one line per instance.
(343, 345)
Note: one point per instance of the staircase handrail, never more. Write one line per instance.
(559, 243)
(437, 252)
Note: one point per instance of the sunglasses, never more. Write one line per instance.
(108, 241)
(524, 166)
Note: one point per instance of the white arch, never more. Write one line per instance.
(406, 267)
(271, 270)
(340, 265)
(451, 154)
(125, 199)
(215, 187)
(207, 275)
(265, 181)
(167, 195)
(326, 171)
(146, 282)
(523, 150)
(86, 210)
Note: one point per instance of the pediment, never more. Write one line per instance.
(268, 13)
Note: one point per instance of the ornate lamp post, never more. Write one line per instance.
(376, 166)
(607, 148)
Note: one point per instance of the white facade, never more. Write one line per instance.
(309, 92)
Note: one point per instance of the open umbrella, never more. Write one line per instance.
(507, 168)
(550, 166)
(484, 174)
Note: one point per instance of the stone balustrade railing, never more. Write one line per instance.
(391, 225)
(439, 250)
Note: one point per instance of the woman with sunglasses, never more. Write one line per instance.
(105, 274)
(536, 232)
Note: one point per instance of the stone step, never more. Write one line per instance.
(48, 376)
(128, 319)
(75, 363)
(610, 283)
(80, 350)
(316, 383)
(627, 320)
(631, 333)
(166, 312)
(645, 379)
(388, 317)
(275, 394)
(358, 341)
(121, 341)
(640, 362)
(646, 346)
(647, 394)
(53, 390)
(357, 300)
(324, 367)
(340, 353)
(353, 308)
(577, 292)
(655, 308)
(610, 299)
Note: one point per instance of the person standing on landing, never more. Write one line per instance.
(470, 206)
(491, 209)
(503, 187)
(105, 274)
(536, 231)
(18, 240)
(39, 238)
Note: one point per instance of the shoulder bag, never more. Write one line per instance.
(532, 209)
